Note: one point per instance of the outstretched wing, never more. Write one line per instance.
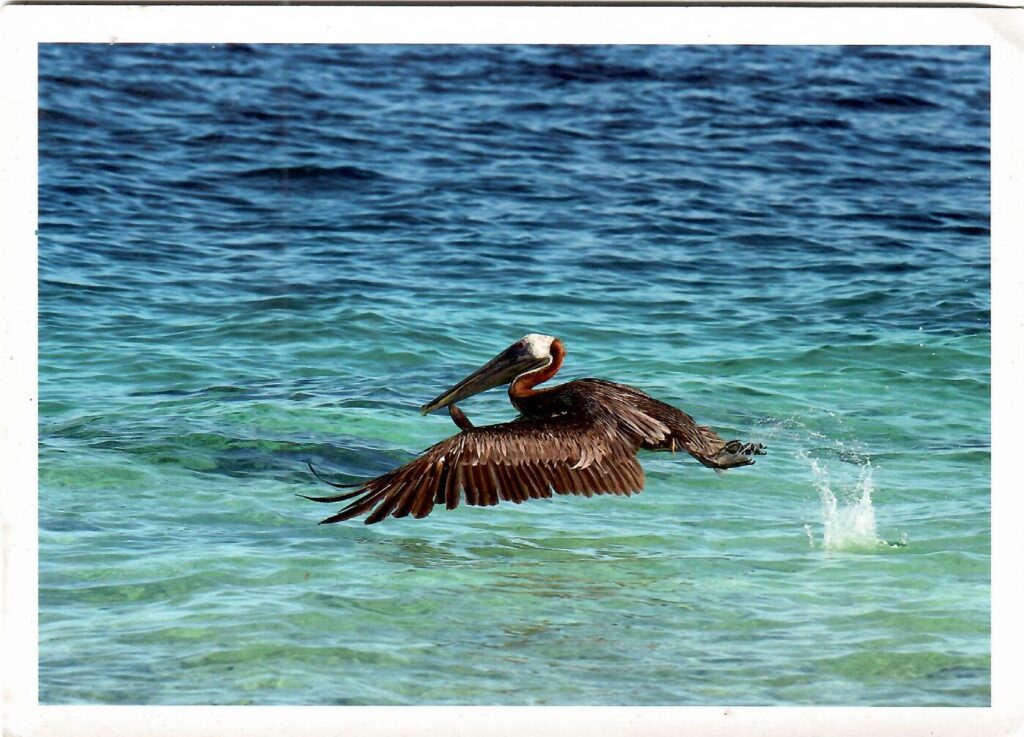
(530, 458)
(661, 426)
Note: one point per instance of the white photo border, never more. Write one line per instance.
(22, 28)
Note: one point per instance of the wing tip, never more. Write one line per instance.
(335, 484)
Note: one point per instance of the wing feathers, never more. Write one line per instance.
(390, 499)
(452, 485)
(589, 449)
(357, 507)
(660, 426)
(514, 462)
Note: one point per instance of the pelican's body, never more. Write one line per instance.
(580, 437)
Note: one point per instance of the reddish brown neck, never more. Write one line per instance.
(522, 387)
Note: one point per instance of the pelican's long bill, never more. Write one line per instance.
(518, 358)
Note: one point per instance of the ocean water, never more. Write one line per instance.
(255, 256)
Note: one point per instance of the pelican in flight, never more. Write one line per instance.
(575, 438)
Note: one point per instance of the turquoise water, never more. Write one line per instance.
(251, 256)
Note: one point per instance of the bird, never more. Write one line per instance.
(580, 437)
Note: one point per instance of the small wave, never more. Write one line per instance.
(265, 116)
(277, 303)
(819, 123)
(972, 230)
(82, 286)
(52, 115)
(158, 90)
(597, 72)
(311, 172)
(881, 102)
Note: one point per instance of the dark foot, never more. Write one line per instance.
(747, 449)
(736, 454)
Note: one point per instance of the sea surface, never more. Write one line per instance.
(255, 256)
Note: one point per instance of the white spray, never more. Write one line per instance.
(848, 518)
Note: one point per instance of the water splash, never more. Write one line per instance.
(849, 517)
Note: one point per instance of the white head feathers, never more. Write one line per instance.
(538, 345)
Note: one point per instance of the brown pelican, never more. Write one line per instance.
(576, 438)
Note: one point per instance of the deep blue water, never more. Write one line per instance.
(250, 256)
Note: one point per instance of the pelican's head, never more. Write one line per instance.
(529, 353)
